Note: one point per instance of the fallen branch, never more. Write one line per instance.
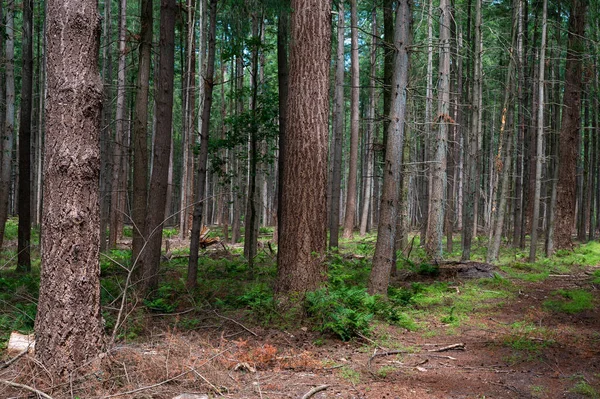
(236, 322)
(314, 391)
(379, 354)
(14, 359)
(27, 387)
(460, 347)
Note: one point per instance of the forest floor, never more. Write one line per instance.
(529, 332)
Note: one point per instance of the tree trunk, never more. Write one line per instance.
(150, 259)
(203, 155)
(386, 231)
(68, 326)
(6, 146)
(370, 132)
(569, 132)
(338, 134)
(24, 250)
(140, 131)
(303, 235)
(433, 245)
(540, 138)
(426, 178)
(350, 212)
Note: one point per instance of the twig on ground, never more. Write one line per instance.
(314, 391)
(236, 322)
(369, 340)
(439, 356)
(460, 347)
(14, 359)
(214, 388)
(27, 387)
(388, 353)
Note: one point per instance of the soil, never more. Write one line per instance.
(485, 356)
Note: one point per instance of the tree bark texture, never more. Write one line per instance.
(140, 132)
(150, 259)
(437, 202)
(569, 132)
(302, 239)
(386, 232)
(338, 133)
(68, 325)
(282, 78)
(350, 213)
(203, 155)
(24, 250)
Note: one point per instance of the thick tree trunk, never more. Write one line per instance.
(569, 132)
(203, 155)
(350, 212)
(140, 132)
(303, 235)
(7, 137)
(24, 250)
(150, 259)
(433, 245)
(338, 134)
(384, 249)
(68, 325)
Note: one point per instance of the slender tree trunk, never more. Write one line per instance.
(350, 213)
(203, 155)
(68, 328)
(384, 249)
(433, 245)
(7, 137)
(540, 138)
(370, 132)
(150, 259)
(338, 133)
(569, 133)
(303, 235)
(23, 249)
(426, 178)
(140, 131)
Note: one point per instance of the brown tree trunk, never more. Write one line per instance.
(203, 155)
(386, 232)
(23, 250)
(150, 259)
(569, 132)
(433, 245)
(7, 138)
(350, 212)
(303, 235)
(140, 132)
(338, 134)
(68, 325)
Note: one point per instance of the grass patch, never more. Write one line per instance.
(585, 389)
(570, 301)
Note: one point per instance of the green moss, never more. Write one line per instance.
(570, 301)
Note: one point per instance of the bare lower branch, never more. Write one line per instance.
(27, 387)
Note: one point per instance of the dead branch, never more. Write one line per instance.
(388, 353)
(236, 322)
(314, 391)
(14, 359)
(27, 387)
(460, 347)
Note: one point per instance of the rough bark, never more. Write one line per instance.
(68, 325)
(7, 138)
(25, 121)
(140, 131)
(302, 239)
(350, 212)
(150, 257)
(433, 245)
(569, 132)
(540, 139)
(386, 232)
(338, 134)
(203, 155)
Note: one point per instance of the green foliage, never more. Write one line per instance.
(11, 229)
(18, 303)
(596, 277)
(584, 388)
(570, 301)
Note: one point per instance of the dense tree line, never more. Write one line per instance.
(397, 117)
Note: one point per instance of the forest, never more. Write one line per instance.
(299, 199)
